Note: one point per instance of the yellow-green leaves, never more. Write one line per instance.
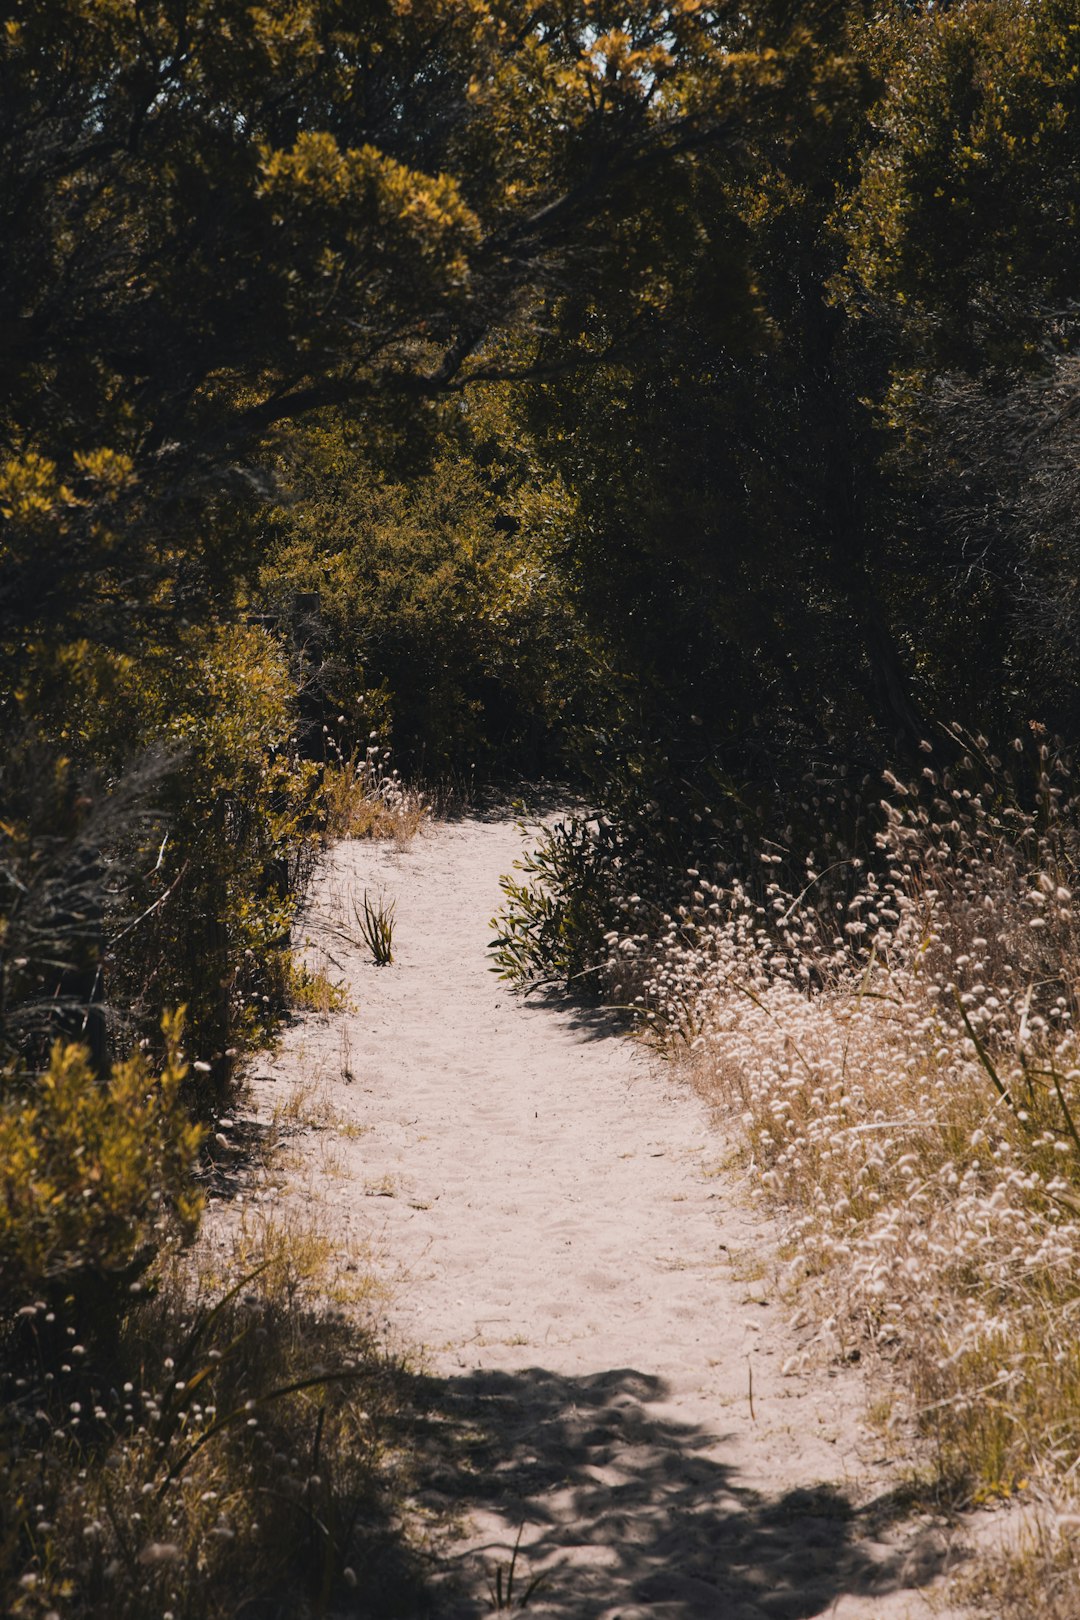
(93, 1173)
(379, 204)
(30, 489)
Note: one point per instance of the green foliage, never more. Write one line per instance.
(967, 208)
(237, 814)
(959, 243)
(631, 871)
(203, 873)
(552, 929)
(683, 393)
(313, 990)
(444, 618)
(731, 526)
(93, 1175)
(265, 210)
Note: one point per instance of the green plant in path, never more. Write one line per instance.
(376, 925)
(553, 926)
(503, 1593)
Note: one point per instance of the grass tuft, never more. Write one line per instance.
(375, 920)
(235, 1453)
(365, 798)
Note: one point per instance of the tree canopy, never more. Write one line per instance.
(688, 380)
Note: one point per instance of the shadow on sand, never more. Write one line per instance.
(590, 1021)
(628, 1513)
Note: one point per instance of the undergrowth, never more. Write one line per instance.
(236, 1451)
(156, 836)
(311, 989)
(895, 1029)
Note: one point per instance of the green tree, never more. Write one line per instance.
(962, 244)
(218, 216)
(967, 213)
(735, 505)
(444, 621)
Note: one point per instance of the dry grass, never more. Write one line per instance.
(1038, 1576)
(240, 1451)
(307, 1105)
(311, 989)
(904, 1059)
(365, 798)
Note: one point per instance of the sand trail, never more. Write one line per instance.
(551, 1212)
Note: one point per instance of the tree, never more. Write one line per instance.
(218, 217)
(968, 208)
(735, 502)
(962, 242)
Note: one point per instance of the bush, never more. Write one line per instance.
(443, 617)
(94, 1175)
(158, 813)
(553, 928)
(660, 818)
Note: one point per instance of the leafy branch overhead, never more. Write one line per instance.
(245, 209)
(219, 217)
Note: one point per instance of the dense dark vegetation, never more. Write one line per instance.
(682, 399)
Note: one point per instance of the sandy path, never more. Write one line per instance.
(550, 1212)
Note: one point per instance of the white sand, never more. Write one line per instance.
(553, 1217)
